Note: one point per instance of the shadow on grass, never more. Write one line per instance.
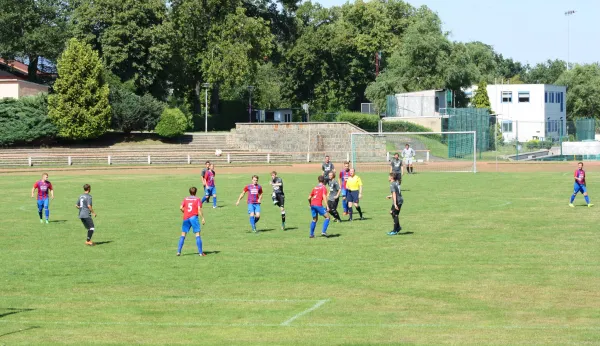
(265, 230)
(11, 311)
(103, 242)
(20, 331)
(290, 228)
(58, 221)
(333, 236)
(406, 233)
(208, 253)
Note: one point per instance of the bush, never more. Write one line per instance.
(172, 123)
(367, 122)
(537, 144)
(25, 120)
(131, 112)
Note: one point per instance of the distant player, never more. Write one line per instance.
(397, 201)
(202, 174)
(191, 208)
(354, 193)
(344, 175)
(43, 203)
(278, 196)
(327, 167)
(408, 156)
(84, 204)
(315, 199)
(580, 186)
(334, 197)
(255, 193)
(209, 185)
(396, 165)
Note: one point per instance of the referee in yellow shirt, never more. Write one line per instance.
(354, 193)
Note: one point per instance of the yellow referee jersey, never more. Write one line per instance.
(353, 183)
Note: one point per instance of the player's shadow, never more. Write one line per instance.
(290, 228)
(103, 242)
(405, 233)
(208, 253)
(58, 221)
(266, 230)
(333, 236)
(20, 331)
(212, 252)
(11, 311)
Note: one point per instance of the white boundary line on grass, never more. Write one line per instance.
(300, 314)
(502, 205)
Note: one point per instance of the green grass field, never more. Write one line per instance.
(490, 259)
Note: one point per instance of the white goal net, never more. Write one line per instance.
(433, 151)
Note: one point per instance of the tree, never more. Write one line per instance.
(30, 29)
(25, 120)
(173, 123)
(131, 112)
(481, 98)
(133, 38)
(583, 91)
(80, 107)
(545, 73)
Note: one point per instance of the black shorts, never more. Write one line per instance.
(333, 204)
(393, 210)
(88, 223)
(326, 177)
(279, 200)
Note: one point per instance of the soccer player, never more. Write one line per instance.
(408, 156)
(344, 175)
(396, 165)
(580, 186)
(315, 199)
(354, 194)
(203, 173)
(43, 186)
(278, 196)
(191, 208)
(327, 167)
(334, 197)
(255, 193)
(397, 201)
(84, 204)
(209, 185)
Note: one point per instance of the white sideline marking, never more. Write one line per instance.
(501, 205)
(313, 308)
(188, 299)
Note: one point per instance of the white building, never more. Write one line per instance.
(426, 103)
(529, 111)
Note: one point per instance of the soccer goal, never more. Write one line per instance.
(434, 151)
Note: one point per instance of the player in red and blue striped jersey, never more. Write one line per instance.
(191, 208)
(255, 193)
(344, 175)
(580, 186)
(315, 199)
(44, 187)
(209, 185)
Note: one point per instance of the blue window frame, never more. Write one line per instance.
(562, 100)
(546, 97)
(523, 96)
(506, 97)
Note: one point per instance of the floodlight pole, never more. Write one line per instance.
(250, 88)
(568, 14)
(206, 86)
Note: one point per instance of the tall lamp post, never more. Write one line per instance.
(206, 86)
(250, 88)
(569, 14)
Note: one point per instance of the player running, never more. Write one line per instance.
(580, 186)
(327, 167)
(315, 199)
(208, 181)
(202, 174)
(334, 197)
(191, 208)
(84, 204)
(397, 201)
(354, 194)
(278, 196)
(344, 175)
(408, 156)
(255, 193)
(396, 165)
(43, 203)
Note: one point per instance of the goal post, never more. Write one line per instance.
(454, 151)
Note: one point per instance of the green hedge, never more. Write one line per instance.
(367, 122)
(25, 120)
(172, 123)
(537, 144)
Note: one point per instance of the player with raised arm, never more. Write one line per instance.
(344, 175)
(354, 194)
(84, 204)
(327, 167)
(408, 156)
(580, 186)
(396, 165)
(43, 186)
(278, 196)
(202, 174)
(397, 201)
(315, 199)
(255, 193)
(209, 185)
(191, 207)
(334, 197)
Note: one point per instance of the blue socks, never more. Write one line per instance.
(313, 224)
(204, 199)
(181, 240)
(325, 225)
(40, 213)
(48, 213)
(572, 198)
(252, 222)
(345, 205)
(587, 199)
(199, 244)
(215, 201)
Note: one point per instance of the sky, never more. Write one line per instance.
(529, 31)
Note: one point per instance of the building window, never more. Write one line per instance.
(552, 97)
(523, 96)
(507, 126)
(562, 99)
(546, 97)
(506, 96)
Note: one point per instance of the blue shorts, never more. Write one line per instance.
(193, 223)
(210, 191)
(43, 203)
(253, 208)
(315, 210)
(352, 196)
(344, 191)
(579, 188)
